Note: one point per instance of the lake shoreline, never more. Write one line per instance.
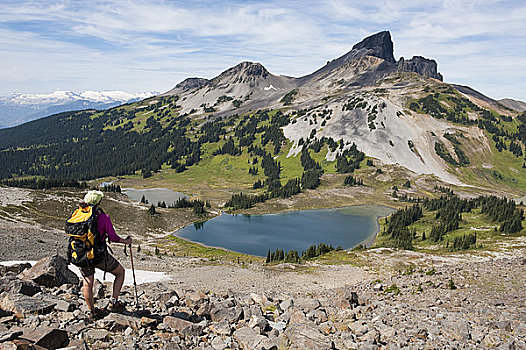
(367, 242)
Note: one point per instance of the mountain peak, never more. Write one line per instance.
(243, 72)
(250, 69)
(378, 45)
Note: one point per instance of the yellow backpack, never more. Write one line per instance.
(85, 247)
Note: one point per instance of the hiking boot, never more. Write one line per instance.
(96, 314)
(117, 306)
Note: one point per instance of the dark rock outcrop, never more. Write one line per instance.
(192, 83)
(243, 72)
(377, 45)
(50, 272)
(420, 65)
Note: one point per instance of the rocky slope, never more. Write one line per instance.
(519, 106)
(376, 299)
(460, 305)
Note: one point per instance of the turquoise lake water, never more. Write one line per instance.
(255, 234)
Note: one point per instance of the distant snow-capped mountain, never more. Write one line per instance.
(19, 108)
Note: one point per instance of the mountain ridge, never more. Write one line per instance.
(19, 108)
(398, 113)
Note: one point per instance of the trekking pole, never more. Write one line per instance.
(133, 273)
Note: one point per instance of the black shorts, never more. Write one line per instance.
(108, 264)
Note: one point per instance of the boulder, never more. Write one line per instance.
(16, 268)
(46, 337)
(76, 344)
(346, 298)
(96, 335)
(219, 344)
(183, 326)
(19, 344)
(286, 304)
(231, 314)
(195, 299)
(99, 289)
(307, 304)
(221, 328)
(258, 321)
(120, 322)
(23, 306)
(306, 336)
(248, 338)
(51, 272)
(18, 286)
(9, 335)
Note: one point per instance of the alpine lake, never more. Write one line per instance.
(256, 234)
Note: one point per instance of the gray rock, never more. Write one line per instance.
(231, 314)
(319, 316)
(280, 325)
(50, 272)
(249, 311)
(183, 326)
(306, 336)
(17, 286)
(219, 344)
(457, 330)
(16, 268)
(378, 45)
(99, 289)
(119, 322)
(23, 306)
(420, 65)
(7, 335)
(307, 304)
(258, 321)
(378, 287)
(346, 298)
(505, 325)
(286, 304)
(96, 335)
(371, 337)
(248, 338)
(195, 299)
(46, 337)
(76, 344)
(221, 328)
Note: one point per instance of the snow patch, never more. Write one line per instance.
(270, 87)
(141, 276)
(61, 97)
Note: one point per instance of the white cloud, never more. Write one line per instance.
(115, 43)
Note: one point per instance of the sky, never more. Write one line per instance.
(138, 45)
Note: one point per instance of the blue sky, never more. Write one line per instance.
(136, 45)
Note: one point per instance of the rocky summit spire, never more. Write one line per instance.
(378, 45)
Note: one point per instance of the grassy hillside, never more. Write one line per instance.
(150, 143)
(448, 224)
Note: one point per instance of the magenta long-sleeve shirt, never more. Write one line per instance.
(106, 229)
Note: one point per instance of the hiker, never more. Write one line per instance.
(100, 257)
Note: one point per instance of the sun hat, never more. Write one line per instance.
(93, 197)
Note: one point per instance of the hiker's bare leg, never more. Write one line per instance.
(87, 290)
(119, 280)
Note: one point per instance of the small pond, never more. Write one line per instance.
(153, 195)
(255, 234)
